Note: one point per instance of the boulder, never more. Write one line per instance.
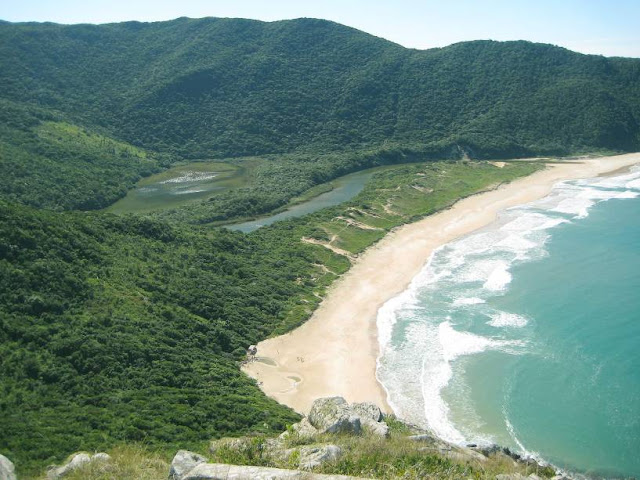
(101, 457)
(314, 456)
(183, 462)
(7, 469)
(462, 454)
(77, 461)
(367, 411)
(378, 428)
(333, 415)
(303, 429)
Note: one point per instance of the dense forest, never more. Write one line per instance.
(88, 110)
(230, 87)
(130, 328)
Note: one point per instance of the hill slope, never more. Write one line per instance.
(230, 87)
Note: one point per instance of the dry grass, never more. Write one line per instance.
(128, 462)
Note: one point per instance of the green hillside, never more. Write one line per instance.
(131, 98)
(128, 328)
(227, 87)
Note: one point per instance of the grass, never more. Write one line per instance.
(403, 194)
(371, 456)
(364, 456)
(68, 134)
(128, 462)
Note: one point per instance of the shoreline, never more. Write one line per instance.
(335, 352)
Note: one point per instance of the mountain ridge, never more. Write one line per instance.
(246, 87)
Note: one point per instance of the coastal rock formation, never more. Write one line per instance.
(78, 460)
(7, 470)
(183, 462)
(335, 415)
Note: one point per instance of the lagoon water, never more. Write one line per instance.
(527, 333)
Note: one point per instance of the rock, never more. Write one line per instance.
(229, 443)
(7, 469)
(303, 429)
(314, 456)
(367, 411)
(219, 471)
(183, 462)
(378, 428)
(510, 476)
(101, 457)
(463, 455)
(333, 415)
(426, 438)
(77, 461)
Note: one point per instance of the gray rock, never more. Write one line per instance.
(314, 456)
(462, 454)
(183, 462)
(367, 411)
(303, 429)
(426, 438)
(510, 476)
(377, 428)
(229, 443)
(218, 471)
(7, 469)
(333, 415)
(101, 457)
(77, 461)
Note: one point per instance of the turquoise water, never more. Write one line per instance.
(527, 332)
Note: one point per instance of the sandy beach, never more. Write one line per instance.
(335, 352)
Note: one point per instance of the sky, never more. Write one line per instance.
(602, 27)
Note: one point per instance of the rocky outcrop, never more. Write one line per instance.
(7, 469)
(219, 471)
(303, 429)
(315, 455)
(367, 411)
(335, 415)
(78, 460)
(183, 462)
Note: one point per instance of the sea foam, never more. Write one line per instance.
(442, 316)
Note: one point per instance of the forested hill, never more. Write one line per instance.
(230, 87)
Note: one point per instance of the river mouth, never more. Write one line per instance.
(181, 185)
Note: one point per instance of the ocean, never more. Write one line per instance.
(526, 333)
